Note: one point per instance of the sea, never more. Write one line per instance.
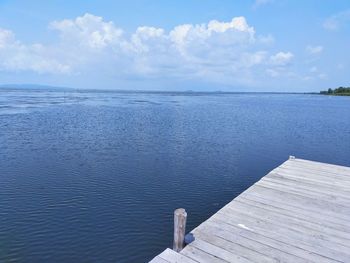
(95, 176)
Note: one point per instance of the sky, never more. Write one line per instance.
(199, 45)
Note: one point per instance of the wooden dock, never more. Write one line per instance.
(299, 212)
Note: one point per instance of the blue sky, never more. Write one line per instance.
(258, 45)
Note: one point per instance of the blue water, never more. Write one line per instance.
(95, 177)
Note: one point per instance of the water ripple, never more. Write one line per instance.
(91, 177)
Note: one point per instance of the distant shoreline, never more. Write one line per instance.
(33, 87)
(339, 94)
(341, 91)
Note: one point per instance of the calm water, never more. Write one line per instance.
(95, 177)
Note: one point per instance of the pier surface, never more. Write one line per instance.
(299, 212)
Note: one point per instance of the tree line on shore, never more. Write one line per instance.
(341, 91)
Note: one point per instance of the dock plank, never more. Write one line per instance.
(305, 185)
(305, 241)
(281, 217)
(201, 255)
(158, 259)
(318, 175)
(175, 257)
(324, 166)
(283, 224)
(231, 248)
(301, 179)
(299, 212)
(223, 252)
(327, 209)
(276, 249)
(292, 189)
(291, 210)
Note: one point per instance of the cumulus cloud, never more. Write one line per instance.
(15, 56)
(281, 58)
(334, 22)
(314, 49)
(88, 30)
(227, 52)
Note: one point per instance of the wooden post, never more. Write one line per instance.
(180, 217)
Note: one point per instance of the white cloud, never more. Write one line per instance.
(266, 40)
(6, 37)
(237, 23)
(259, 3)
(221, 52)
(236, 30)
(15, 56)
(307, 78)
(340, 66)
(272, 72)
(323, 76)
(334, 22)
(281, 58)
(193, 40)
(144, 39)
(252, 59)
(331, 24)
(314, 49)
(88, 30)
(313, 69)
(316, 74)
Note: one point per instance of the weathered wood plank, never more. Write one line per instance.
(315, 170)
(330, 221)
(158, 259)
(306, 185)
(238, 253)
(238, 245)
(255, 241)
(321, 176)
(293, 232)
(299, 201)
(201, 255)
(303, 241)
(222, 252)
(288, 223)
(301, 179)
(175, 257)
(295, 189)
(282, 216)
(330, 167)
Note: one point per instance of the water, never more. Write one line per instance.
(95, 177)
